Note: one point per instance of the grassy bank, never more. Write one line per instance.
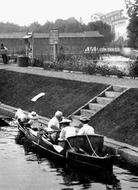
(119, 120)
(18, 89)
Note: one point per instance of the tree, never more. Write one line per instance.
(103, 28)
(133, 26)
(69, 25)
(35, 27)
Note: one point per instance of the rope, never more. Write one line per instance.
(91, 145)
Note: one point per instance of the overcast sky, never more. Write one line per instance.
(25, 12)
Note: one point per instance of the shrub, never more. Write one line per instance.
(48, 65)
(133, 69)
(103, 70)
(115, 71)
(37, 62)
(81, 63)
(90, 68)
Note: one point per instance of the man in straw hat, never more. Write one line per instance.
(86, 129)
(67, 130)
(33, 120)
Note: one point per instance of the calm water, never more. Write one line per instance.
(22, 170)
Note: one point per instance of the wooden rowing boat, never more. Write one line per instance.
(82, 151)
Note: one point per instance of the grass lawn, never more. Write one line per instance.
(120, 119)
(17, 89)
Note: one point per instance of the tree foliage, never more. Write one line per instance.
(103, 28)
(133, 26)
(69, 25)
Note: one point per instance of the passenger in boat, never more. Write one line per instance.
(54, 123)
(67, 130)
(20, 116)
(54, 126)
(33, 120)
(86, 129)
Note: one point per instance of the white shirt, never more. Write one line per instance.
(20, 115)
(68, 131)
(53, 124)
(34, 123)
(86, 130)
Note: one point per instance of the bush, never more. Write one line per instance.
(81, 63)
(48, 65)
(115, 71)
(90, 69)
(103, 70)
(133, 69)
(37, 62)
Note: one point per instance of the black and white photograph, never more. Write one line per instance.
(69, 95)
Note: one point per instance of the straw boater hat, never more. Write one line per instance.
(33, 115)
(84, 119)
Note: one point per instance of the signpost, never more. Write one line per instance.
(53, 40)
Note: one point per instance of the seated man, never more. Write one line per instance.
(54, 126)
(33, 120)
(66, 129)
(85, 129)
(53, 123)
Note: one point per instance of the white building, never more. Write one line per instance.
(118, 21)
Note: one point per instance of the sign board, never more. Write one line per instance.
(53, 36)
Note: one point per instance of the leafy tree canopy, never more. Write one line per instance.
(68, 25)
(103, 29)
(133, 26)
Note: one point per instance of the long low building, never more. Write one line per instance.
(71, 43)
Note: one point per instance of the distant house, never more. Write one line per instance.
(118, 21)
(72, 43)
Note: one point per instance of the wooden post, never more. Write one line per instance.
(32, 46)
(55, 52)
(53, 40)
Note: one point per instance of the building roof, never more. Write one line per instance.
(21, 35)
(91, 34)
(14, 35)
